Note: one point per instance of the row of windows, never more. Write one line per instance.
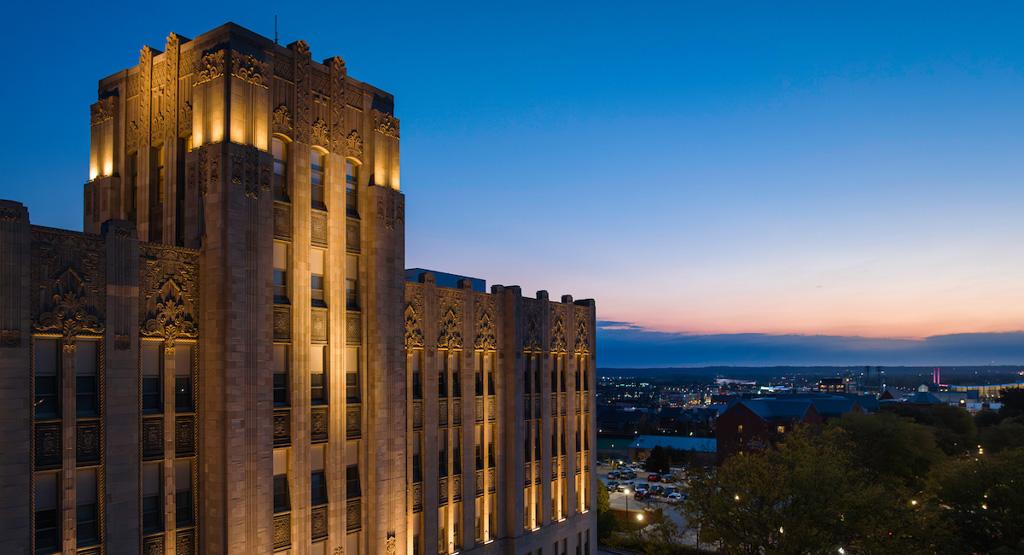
(318, 377)
(317, 478)
(48, 371)
(317, 280)
(279, 148)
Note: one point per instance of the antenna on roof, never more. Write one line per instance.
(275, 28)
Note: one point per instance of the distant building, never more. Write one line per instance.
(832, 385)
(747, 424)
(704, 447)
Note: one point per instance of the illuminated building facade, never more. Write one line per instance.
(229, 359)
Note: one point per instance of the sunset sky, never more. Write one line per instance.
(702, 169)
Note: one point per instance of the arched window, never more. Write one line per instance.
(317, 165)
(279, 148)
(352, 187)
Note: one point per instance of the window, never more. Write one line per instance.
(457, 374)
(490, 447)
(352, 188)
(281, 376)
(152, 506)
(183, 492)
(478, 448)
(489, 370)
(317, 162)
(46, 509)
(282, 503)
(316, 277)
(183, 378)
(457, 452)
(279, 149)
(417, 375)
(280, 273)
(317, 376)
(417, 457)
(478, 375)
(133, 185)
(152, 391)
(780, 429)
(47, 379)
(317, 479)
(352, 282)
(739, 429)
(442, 529)
(159, 173)
(442, 373)
(442, 454)
(86, 403)
(352, 393)
(457, 525)
(554, 374)
(352, 488)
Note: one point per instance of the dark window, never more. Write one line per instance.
(280, 151)
(151, 394)
(281, 501)
(417, 382)
(133, 184)
(318, 488)
(317, 395)
(47, 534)
(352, 386)
(352, 488)
(417, 468)
(47, 398)
(316, 286)
(317, 375)
(457, 455)
(456, 383)
(152, 514)
(479, 456)
(47, 379)
(316, 178)
(281, 376)
(351, 188)
(352, 293)
(183, 394)
(85, 395)
(280, 273)
(183, 507)
(442, 377)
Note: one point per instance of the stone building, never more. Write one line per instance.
(230, 359)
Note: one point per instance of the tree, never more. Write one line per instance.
(954, 429)
(659, 460)
(606, 523)
(1013, 402)
(1008, 434)
(890, 447)
(984, 501)
(805, 496)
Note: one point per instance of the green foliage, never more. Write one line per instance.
(893, 449)
(983, 501)
(606, 522)
(659, 460)
(954, 429)
(806, 496)
(1008, 434)
(1013, 403)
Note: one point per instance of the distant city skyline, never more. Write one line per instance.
(717, 169)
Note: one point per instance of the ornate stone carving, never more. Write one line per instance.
(391, 544)
(282, 119)
(211, 66)
(320, 134)
(318, 227)
(185, 119)
(169, 315)
(559, 343)
(47, 445)
(282, 427)
(153, 438)
(87, 442)
(247, 170)
(282, 530)
(354, 97)
(414, 323)
(582, 334)
(282, 220)
(249, 69)
(185, 542)
(354, 145)
(386, 124)
(70, 312)
(390, 210)
(486, 333)
(318, 424)
(449, 327)
(353, 515)
(531, 333)
(300, 47)
(184, 436)
(282, 323)
(318, 524)
(353, 328)
(353, 421)
(103, 110)
(318, 325)
(153, 545)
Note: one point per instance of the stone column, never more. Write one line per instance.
(121, 390)
(15, 379)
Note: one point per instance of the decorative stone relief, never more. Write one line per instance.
(282, 120)
(386, 124)
(71, 312)
(103, 110)
(320, 134)
(531, 333)
(390, 210)
(486, 334)
(169, 316)
(249, 69)
(450, 325)
(354, 145)
(413, 326)
(211, 66)
(582, 334)
(559, 343)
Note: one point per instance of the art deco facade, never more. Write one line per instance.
(229, 359)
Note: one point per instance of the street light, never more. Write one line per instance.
(639, 517)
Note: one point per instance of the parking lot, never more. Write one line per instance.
(625, 500)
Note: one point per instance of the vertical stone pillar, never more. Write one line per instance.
(121, 390)
(15, 379)
(69, 436)
(511, 389)
(386, 402)
(236, 348)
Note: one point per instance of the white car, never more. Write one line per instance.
(674, 497)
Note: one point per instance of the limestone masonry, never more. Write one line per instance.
(231, 358)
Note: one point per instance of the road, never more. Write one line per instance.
(623, 501)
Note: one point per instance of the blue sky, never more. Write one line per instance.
(702, 169)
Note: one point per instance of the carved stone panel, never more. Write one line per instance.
(478, 482)
(48, 445)
(318, 523)
(442, 413)
(153, 438)
(282, 530)
(417, 497)
(353, 515)
(185, 542)
(478, 409)
(184, 436)
(353, 328)
(353, 421)
(153, 545)
(318, 424)
(282, 323)
(491, 485)
(456, 412)
(282, 220)
(318, 227)
(417, 415)
(87, 448)
(352, 236)
(282, 427)
(442, 491)
(318, 325)
(457, 487)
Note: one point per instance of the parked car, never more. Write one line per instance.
(653, 477)
(674, 497)
(657, 491)
(640, 495)
(613, 475)
(642, 487)
(669, 490)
